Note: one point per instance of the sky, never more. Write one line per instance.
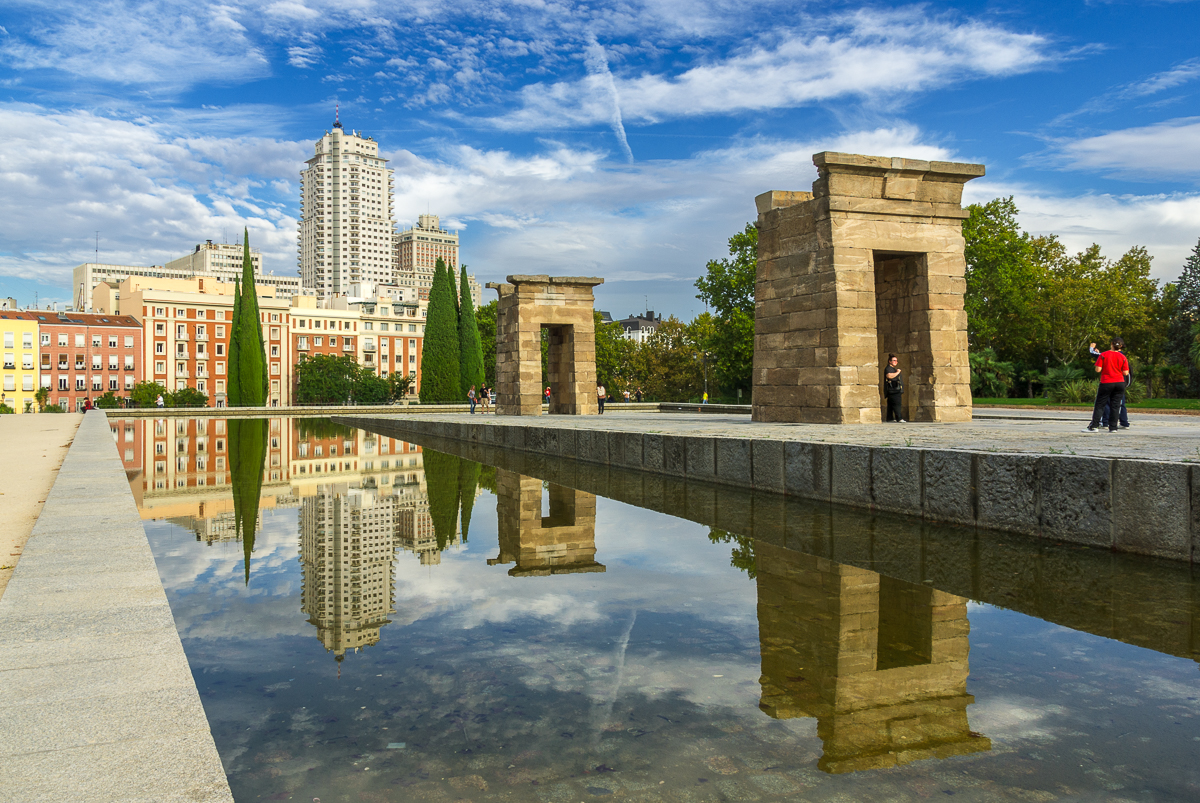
(619, 138)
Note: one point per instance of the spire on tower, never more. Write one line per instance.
(337, 115)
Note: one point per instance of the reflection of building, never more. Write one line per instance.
(562, 541)
(347, 545)
(880, 663)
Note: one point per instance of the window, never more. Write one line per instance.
(62, 383)
(220, 317)
(62, 362)
(129, 381)
(220, 369)
(275, 368)
(181, 331)
(412, 327)
(220, 386)
(179, 313)
(220, 331)
(128, 341)
(112, 362)
(160, 329)
(160, 347)
(79, 341)
(27, 340)
(27, 362)
(129, 363)
(97, 383)
(412, 359)
(10, 361)
(200, 351)
(62, 340)
(160, 367)
(274, 331)
(160, 312)
(201, 331)
(201, 385)
(318, 341)
(8, 340)
(95, 362)
(10, 382)
(274, 351)
(81, 383)
(112, 341)
(220, 349)
(112, 383)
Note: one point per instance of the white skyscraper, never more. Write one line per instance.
(346, 224)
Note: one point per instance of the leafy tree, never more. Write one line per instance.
(990, 378)
(672, 363)
(615, 356)
(1185, 315)
(399, 384)
(247, 350)
(42, 396)
(728, 287)
(186, 397)
(1003, 280)
(441, 375)
(145, 394)
(53, 408)
(106, 401)
(325, 379)
(470, 346)
(370, 388)
(485, 321)
(6, 410)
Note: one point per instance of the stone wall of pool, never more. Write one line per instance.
(1127, 505)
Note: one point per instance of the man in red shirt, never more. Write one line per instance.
(1114, 371)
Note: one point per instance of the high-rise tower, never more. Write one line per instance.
(345, 214)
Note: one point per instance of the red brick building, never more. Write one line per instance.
(84, 355)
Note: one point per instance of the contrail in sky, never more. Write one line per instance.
(596, 62)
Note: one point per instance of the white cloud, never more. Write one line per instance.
(151, 193)
(1168, 150)
(1167, 225)
(868, 54)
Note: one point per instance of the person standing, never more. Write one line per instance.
(601, 395)
(471, 398)
(1114, 372)
(893, 389)
(625, 394)
(638, 395)
(485, 398)
(546, 395)
(159, 401)
(1122, 414)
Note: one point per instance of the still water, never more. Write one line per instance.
(396, 623)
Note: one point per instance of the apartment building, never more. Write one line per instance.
(83, 356)
(393, 331)
(19, 373)
(315, 327)
(346, 222)
(187, 324)
(417, 251)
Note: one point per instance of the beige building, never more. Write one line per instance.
(346, 222)
(417, 251)
(186, 326)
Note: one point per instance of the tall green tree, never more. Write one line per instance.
(247, 457)
(441, 374)
(247, 350)
(442, 485)
(470, 347)
(616, 357)
(1184, 316)
(485, 320)
(728, 287)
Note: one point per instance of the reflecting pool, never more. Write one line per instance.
(369, 619)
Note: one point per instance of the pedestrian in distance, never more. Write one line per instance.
(704, 398)
(601, 395)
(159, 401)
(1123, 414)
(625, 393)
(546, 395)
(471, 398)
(638, 395)
(893, 389)
(485, 398)
(1114, 373)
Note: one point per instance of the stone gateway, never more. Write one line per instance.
(869, 263)
(564, 306)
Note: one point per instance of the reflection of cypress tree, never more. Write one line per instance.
(468, 482)
(247, 456)
(441, 480)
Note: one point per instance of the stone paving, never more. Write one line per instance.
(97, 702)
(1172, 438)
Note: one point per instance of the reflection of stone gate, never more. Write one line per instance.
(869, 262)
(561, 542)
(881, 664)
(563, 305)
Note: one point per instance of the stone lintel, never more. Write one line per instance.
(776, 199)
(542, 278)
(835, 162)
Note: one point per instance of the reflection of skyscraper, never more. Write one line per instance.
(347, 545)
(880, 663)
(561, 542)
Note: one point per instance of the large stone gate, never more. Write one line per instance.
(869, 263)
(563, 305)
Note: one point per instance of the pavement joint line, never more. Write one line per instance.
(93, 463)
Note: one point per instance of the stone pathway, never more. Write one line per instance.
(1171, 438)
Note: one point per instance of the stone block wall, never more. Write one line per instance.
(869, 262)
(564, 305)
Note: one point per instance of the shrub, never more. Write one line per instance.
(1074, 392)
(186, 397)
(53, 408)
(1060, 375)
(6, 410)
(990, 378)
(108, 401)
(1135, 392)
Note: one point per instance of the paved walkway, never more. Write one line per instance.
(97, 702)
(1172, 438)
(34, 448)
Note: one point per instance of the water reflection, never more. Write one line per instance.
(880, 663)
(557, 539)
(247, 457)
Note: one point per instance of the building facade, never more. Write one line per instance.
(640, 328)
(19, 373)
(417, 251)
(346, 223)
(83, 356)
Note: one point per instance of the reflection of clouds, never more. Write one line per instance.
(1013, 718)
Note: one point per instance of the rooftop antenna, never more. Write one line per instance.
(97, 247)
(337, 115)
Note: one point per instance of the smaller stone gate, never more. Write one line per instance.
(563, 305)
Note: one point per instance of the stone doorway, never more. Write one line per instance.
(564, 307)
(899, 328)
(563, 541)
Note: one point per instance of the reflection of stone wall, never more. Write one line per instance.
(563, 305)
(562, 542)
(880, 663)
(869, 262)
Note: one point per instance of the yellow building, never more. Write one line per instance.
(19, 371)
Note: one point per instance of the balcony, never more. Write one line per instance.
(182, 373)
(62, 366)
(349, 347)
(128, 367)
(181, 335)
(79, 366)
(368, 347)
(181, 355)
(201, 337)
(302, 346)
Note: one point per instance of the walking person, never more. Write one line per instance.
(471, 398)
(601, 395)
(1114, 373)
(546, 395)
(893, 389)
(485, 398)
(1123, 414)
(159, 401)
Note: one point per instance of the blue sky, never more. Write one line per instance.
(623, 139)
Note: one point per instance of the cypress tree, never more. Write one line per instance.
(441, 375)
(468, 484)
(470, 348)
(247, 350)
(247, 456)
